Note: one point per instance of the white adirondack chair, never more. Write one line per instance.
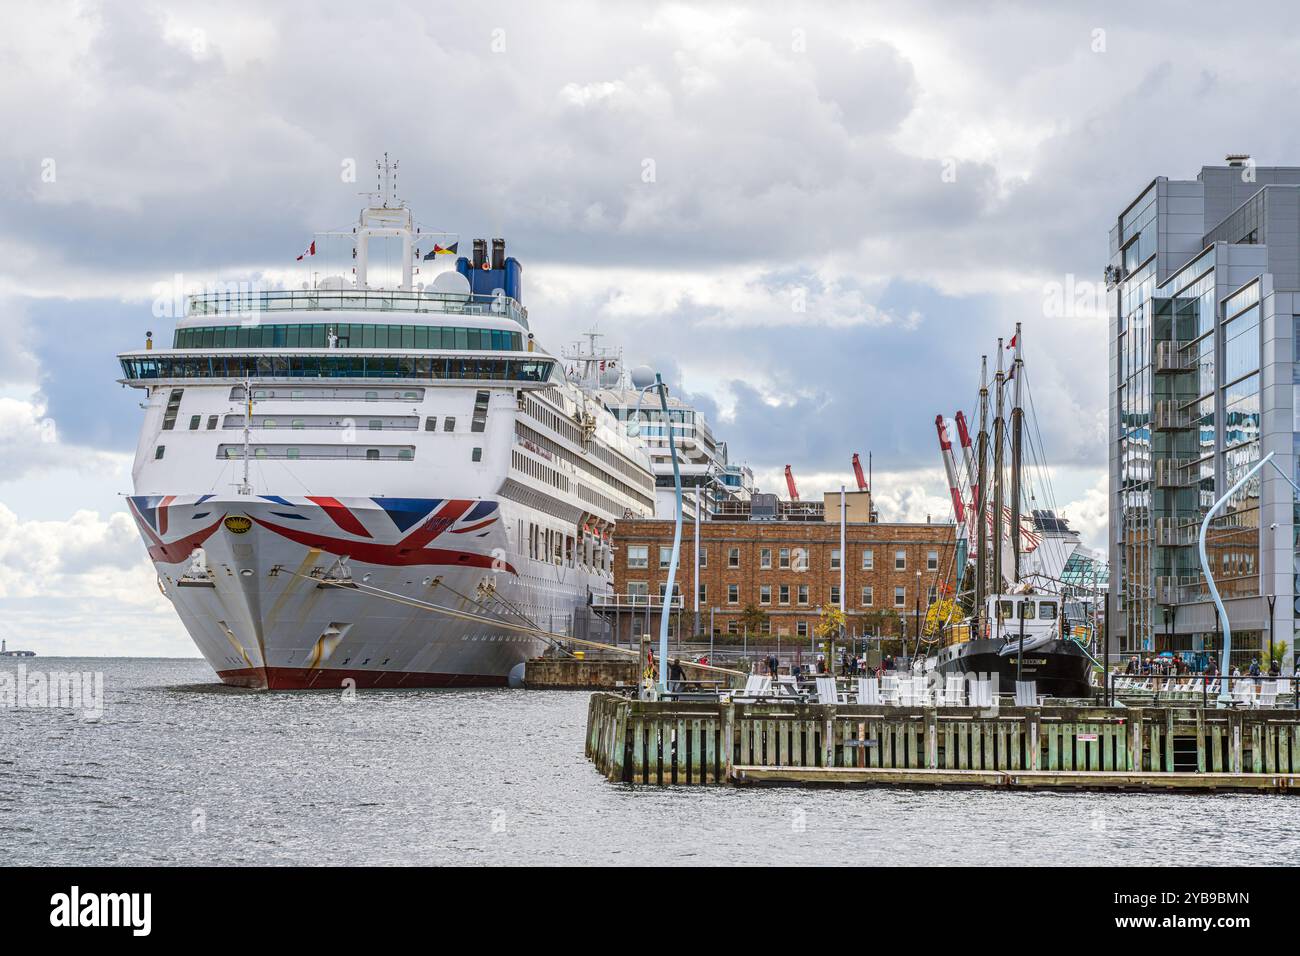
(954, 691)
(1026, 693)
(868, 690)
(826, 692)
(981, 694)
(1267, 694)
(889, 688)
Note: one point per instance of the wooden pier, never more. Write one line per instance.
(1048, 747)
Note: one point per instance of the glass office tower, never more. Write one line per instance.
(1202, 285)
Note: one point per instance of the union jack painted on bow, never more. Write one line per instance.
(422, 522)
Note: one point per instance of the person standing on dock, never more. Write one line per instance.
(772, 665)
(677, 675)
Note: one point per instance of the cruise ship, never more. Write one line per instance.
(398, 486)
(707, 473)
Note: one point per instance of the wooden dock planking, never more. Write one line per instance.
(701, 743)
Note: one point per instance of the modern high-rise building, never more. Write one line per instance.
(1204, 293)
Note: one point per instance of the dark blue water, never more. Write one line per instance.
(181, 770)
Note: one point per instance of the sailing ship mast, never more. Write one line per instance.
(999, 440)
(981, 508)
(1017, 416)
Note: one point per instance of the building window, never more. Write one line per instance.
(765, 558)
(932, 560)
(291, 453)
(765, 594)
(783, 592)
(785, 559)
(835, 559)
(449, 423)
(733, 558)
(476, 455)
(268, 423)
(372, 454)
(801, 628)
(900, 560)
(405, 454)
(298, 423)
(638, 626)
(431, 423)
(868, 559)
(212, 422)
(930, 595)
(638, 556)
(733, 593)
(665, 556)
(194, 422)
(835, 594)
(704, 594)
(765, 627)
(866, 596)
(900, 597)
(159, 452)
(376, 424)
(803, 594)
(704, 556)
(733, 627)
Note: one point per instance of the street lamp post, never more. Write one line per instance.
(644, 380)
(917, 616)
(1272, 600)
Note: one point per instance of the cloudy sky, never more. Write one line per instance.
(814, 218)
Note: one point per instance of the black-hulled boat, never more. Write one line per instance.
(996, 643)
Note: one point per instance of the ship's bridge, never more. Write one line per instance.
(242, 303)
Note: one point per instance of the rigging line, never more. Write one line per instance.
(1047, 479)
(484, 607)
(467, 616)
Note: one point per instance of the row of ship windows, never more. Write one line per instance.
(557, 547)
(554, 449)
(319, 452)
(335, 366)
(478, 419)
(637, 589)
(562, 426)
(535, 469)
(638, 556)
(348, 335)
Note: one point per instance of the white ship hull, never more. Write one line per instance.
(268, 610)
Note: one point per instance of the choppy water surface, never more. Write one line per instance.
(181, 770)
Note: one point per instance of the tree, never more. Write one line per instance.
(831, 622)
(941, 613)
(753, 617)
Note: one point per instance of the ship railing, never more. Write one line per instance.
(243, 302)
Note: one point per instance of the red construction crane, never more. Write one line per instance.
(789, 483)
(857, 473)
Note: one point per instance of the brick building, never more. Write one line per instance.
(789, 567)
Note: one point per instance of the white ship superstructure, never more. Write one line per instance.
(703, 460)
(397, 486)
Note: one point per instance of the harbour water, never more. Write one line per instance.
(180, 770)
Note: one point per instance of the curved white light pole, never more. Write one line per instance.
(639, 375)
(1225, 668)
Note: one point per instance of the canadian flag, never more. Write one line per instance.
(311, 251)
